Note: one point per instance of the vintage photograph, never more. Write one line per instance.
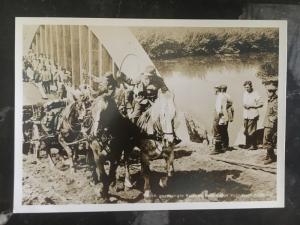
(115, 114)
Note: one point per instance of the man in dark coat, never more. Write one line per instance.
(270, 123)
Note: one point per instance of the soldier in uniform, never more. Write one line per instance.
(270, 123)
(145, 92)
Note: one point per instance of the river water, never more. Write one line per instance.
(192, 79)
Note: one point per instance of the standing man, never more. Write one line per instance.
(251, 103)
(216, 128)
(226, 116)
(270, 123)
(46, 79)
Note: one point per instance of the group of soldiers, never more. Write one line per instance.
(40, 69)
(251, 103)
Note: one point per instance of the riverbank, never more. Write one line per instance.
(169, 43)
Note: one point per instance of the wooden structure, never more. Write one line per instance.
(88, 51)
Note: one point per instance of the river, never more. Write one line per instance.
(192, 79)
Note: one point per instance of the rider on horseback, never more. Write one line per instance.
(145, 92)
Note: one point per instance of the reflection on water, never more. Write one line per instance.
(192, 79)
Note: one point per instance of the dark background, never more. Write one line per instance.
(176, 9)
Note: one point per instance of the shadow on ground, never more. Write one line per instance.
(185, 183)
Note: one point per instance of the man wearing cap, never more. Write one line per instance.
(226, 116)
(270, 123)
(145, 92)
(46, 79)
(251, 103)
(221, 119)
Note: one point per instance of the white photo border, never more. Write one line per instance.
(280, 185)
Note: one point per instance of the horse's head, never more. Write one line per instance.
(167, 113)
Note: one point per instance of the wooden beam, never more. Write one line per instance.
(90, 57)
(80, 55)
(64, 47)
(75, 53)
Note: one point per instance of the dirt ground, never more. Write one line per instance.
(198, 177)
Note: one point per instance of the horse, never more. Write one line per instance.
(157, 139)
(113, 133)
(70, 130)
(108, 139)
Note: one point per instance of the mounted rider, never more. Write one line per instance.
(145, 92)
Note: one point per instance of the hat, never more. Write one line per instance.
(223, 86)
(110, 79)
(248, 82)
(273, 81)
(271, 87)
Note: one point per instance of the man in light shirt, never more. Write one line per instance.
(220, 123)
(226, 116)
(251, 103)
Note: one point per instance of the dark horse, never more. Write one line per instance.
(152, 134)
(109, 137)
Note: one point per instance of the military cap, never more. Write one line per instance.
(271, 87)
(248, 82)
(110, 79)
(273, 81)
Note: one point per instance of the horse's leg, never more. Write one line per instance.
(68, 150)
(75, 158)
(112, 174)
(169, 158)
(127, 182)
(170, 163)
(36, 149)
(102, 177)
(145, 170)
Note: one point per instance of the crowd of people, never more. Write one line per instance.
(252, 101)
(50, 77)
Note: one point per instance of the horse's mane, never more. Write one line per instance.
(97, 107)
(149, 121)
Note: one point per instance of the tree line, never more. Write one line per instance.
(168, 43)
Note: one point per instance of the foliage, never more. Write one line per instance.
(171, 43)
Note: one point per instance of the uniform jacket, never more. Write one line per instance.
(271, 114)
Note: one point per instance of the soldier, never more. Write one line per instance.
(46, 79)
(270, 123)
(145, 92)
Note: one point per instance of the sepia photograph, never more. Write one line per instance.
(118, 115)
